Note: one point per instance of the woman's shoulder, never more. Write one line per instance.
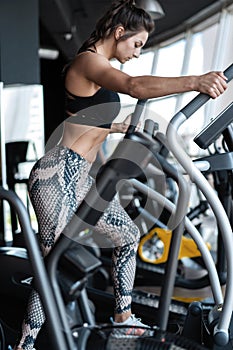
(88, 64)
(90, 57)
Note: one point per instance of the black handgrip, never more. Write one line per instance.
(201, 99)
(149, 127)
(136, 115)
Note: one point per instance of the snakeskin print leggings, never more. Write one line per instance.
(58, 183)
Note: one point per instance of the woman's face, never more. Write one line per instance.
(131, 47)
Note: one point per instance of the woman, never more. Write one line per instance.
(60, 180)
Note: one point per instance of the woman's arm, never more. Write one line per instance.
(96, 68)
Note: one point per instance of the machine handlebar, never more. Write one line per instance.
(201, 99)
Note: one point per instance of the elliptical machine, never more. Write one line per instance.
(83, 337)
(96, 200)
(87, 215)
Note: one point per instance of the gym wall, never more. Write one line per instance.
(19, 42)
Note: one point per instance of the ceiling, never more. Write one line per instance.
(64, 25)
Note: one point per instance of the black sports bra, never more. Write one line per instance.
(97, 110)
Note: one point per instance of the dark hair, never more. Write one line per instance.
(122, 12)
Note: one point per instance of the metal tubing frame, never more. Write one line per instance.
(221, 330)
(208, 260)
(40, 273)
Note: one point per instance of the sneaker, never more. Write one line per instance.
(131, 327)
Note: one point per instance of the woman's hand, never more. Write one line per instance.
(123, 126)
(213, 83)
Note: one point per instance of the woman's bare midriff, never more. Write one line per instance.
(84, 140)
